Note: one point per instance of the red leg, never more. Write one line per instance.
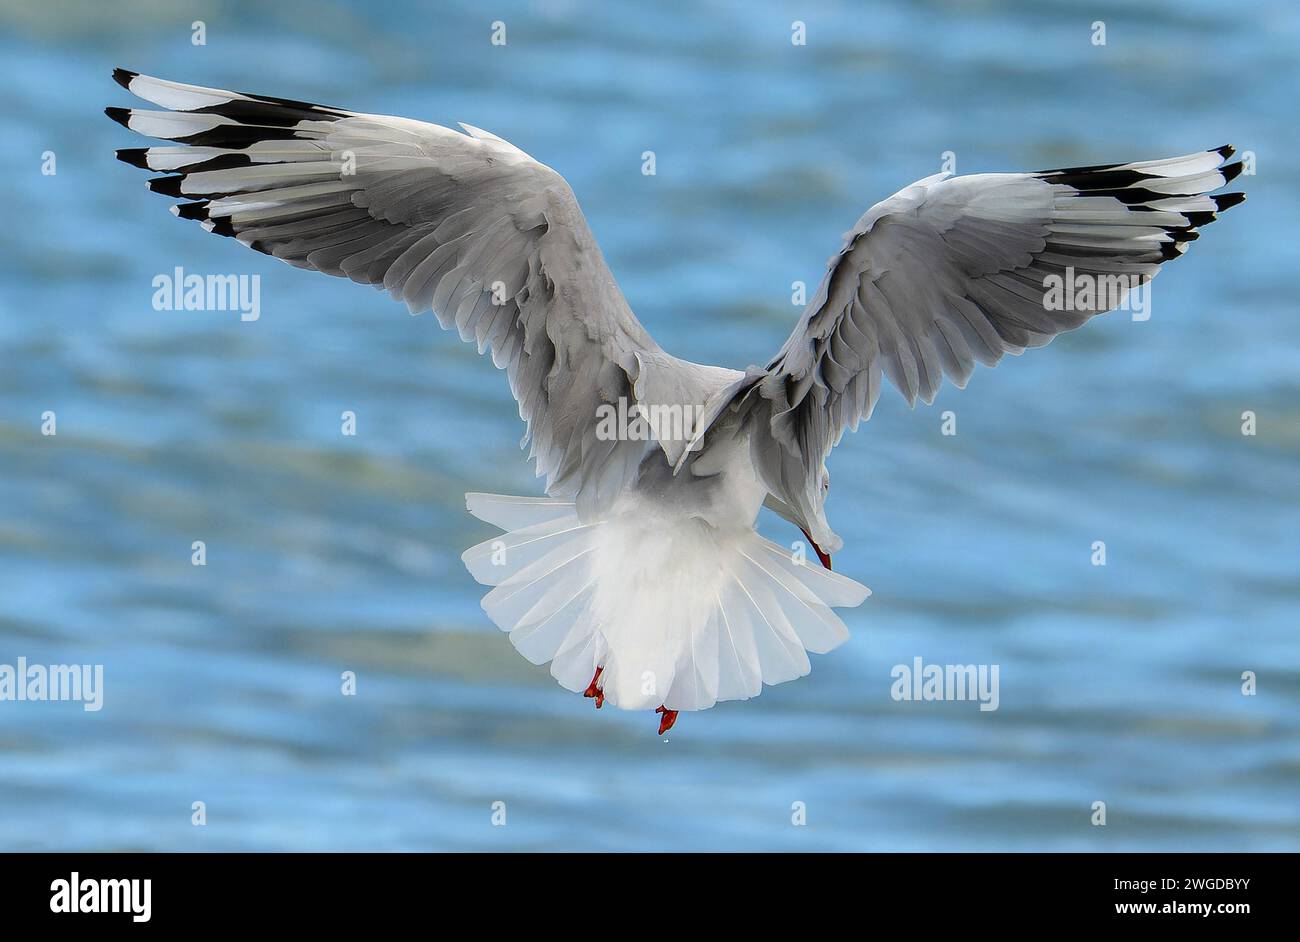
(594, 691)
(670, 717)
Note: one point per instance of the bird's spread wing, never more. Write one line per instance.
(954, 270)
(466, 225)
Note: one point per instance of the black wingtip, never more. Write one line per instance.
(135, 156)
(123, 77)
(221, 226)
(192, 210)
(120, 115)
(1231, 172)
(1228, 200)
(1226, 151)
(167, 186)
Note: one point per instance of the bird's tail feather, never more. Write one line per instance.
(672, 610)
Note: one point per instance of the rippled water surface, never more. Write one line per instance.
(325, 554)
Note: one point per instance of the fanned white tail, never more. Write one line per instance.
(675, 611)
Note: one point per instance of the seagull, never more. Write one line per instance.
(639, 576)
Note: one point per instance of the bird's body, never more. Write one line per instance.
(640, 576)
(671, 592)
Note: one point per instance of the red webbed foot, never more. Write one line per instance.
(594, 691)
(669, 718)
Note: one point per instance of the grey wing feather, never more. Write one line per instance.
(465, 224)
(957, 270)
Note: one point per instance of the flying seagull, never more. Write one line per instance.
(639, 576)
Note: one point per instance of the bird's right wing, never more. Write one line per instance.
(467, 225)
(954, 270)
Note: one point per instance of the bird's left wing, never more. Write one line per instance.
(954, 270)
(466, 225)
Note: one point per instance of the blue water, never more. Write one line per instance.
(327, 553)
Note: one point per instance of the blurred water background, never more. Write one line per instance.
(327, 553)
